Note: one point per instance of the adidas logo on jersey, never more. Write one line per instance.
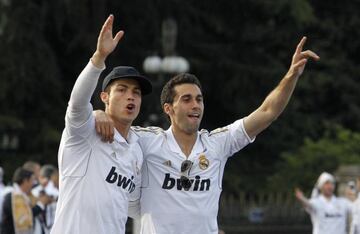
(196, 185)
(122, 181)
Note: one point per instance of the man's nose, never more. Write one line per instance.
(195, 104)
(130, 96)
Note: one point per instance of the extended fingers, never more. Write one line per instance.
(310, 54)
(118, 36)
(107, 25)
(300, 46)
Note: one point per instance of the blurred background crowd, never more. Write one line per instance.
(28, 202)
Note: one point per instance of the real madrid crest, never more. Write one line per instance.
(203, 162)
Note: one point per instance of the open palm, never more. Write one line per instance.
(106, 42)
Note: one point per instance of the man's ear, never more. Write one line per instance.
(167, 108)
(104, 97)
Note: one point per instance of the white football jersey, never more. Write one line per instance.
(329, 216)
(355, 222)
(96, 178)
(167, 208)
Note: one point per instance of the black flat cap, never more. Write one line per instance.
(124, 72)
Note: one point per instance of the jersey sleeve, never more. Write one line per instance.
(147, 137)
(230, 139)
(79, 119)
(77, 139)
(312, 207)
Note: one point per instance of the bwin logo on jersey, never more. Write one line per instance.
(122, 181)
(196, 185)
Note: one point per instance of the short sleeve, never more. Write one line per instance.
(230, 139)
(313, 207)
(148, 137)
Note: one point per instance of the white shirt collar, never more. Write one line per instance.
(132, 137)
(174, 146)
(332, 199)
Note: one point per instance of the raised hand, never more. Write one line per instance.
(299, 194)
(300, 59)
(106, 42)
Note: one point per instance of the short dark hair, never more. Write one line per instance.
(21, 174)
(168, 91)
(31, 165)
(47, 171)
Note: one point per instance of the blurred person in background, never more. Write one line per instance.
(18, 212)
(46, 172)
(32, 166)
(55, 180)
(355, 223)
(35, 168)
(44, 223)
(5, 189)
(53, 190)
(351, 191)
(329, 214)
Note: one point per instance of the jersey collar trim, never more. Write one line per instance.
(174, 146)
(132, 137)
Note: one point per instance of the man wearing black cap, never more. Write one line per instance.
(98, 179)
(183, 167)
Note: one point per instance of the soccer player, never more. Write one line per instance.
(97, 178)
(329, 214)
(355, 222)
(183, 167)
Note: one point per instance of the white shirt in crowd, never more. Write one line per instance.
(96, 178)
(355, 224)
(44, 226)
(166, 208)
(329, 216)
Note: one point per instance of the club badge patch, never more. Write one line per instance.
(203, 162)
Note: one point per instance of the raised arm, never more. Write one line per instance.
(277, 100)
(303, 200)
(80, 108)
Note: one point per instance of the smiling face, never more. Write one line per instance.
(187, 108)
(122, 100)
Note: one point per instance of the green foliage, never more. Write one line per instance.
(302, 166)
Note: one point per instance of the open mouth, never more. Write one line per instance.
(194, 116)
(130, 107)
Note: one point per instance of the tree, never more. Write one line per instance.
(301, 167)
